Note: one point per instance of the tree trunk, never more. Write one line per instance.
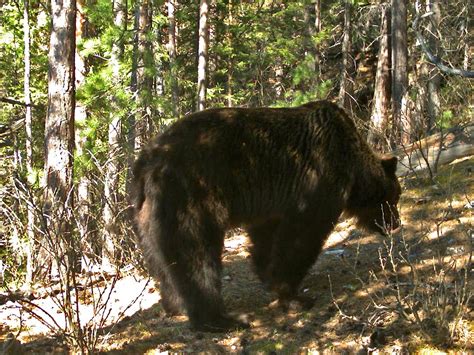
(317, 12)
(80, 117)
(59, 138)
(202, 55)
(140, 84)
(428, 77)
(112, 168)
(345, 89)
(144, 79)
(434, 80)
(401, 123)
(230, 61)
(380, 115)
(131, 119)
(310, 47)
(467, 48)
(278, 79)
(318, 27)
(172, 54)
(28, 144)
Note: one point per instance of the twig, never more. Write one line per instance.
(16, 102)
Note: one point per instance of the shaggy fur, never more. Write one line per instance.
(285, 174)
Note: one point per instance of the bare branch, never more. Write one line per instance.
(433, 58)
(16, 102)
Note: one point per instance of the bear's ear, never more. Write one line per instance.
(390, 165)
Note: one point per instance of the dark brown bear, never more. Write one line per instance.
(285, 174)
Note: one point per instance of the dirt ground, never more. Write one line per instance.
(361, 285)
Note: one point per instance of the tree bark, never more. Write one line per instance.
(112, 168)
(278, 78)
(80, 116)
(202, 54)
(317, 12)
(401, 122)
(428, 80)
(172, 55)
(140, 84)
(131, 119)
(318, 28)
(59, 135)
(434, 80)
(380, 115)
(28, 143)
(144, 79)
(230, 59)
(346, 87)
(310, 48)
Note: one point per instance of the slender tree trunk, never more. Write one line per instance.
(317, 12)
(401, 122)
(230, 61)
(80, 117)
(131, 119)
(318, 27)
(144, 79)
(434, 81)
(428, 77)
(311, 48)
(158, 84)
(28, 144)
(112, 168)
(380, 115)
(172, 54)
(59, 136)
(202, 54)
(140, 84)
(345, 89)
(278, 79)
(468, 50)
(467, 36)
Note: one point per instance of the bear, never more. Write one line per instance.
(284, 174)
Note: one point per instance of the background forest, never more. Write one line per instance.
(85, 83)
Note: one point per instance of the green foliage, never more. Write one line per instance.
(34, 178)
(322, 36)
(304, 71)
(319, 92)
(99, 14)
(445, 119)
(11, 49)
(11, 86)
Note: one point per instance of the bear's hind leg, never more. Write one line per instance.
(193, 251)
(150, 233)
(170, 299)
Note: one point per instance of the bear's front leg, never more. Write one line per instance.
(262, 237)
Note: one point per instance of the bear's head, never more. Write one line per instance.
(376, 210)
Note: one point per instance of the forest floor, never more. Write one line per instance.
(361, 284)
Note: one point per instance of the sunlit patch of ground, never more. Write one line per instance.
(129, 295)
